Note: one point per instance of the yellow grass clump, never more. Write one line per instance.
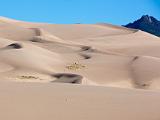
(27, 77)
(75, 66)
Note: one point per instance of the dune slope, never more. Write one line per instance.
(65, 102)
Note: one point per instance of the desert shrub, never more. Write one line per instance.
(27, 77)
(75, 66)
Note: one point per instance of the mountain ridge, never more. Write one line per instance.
(146, 23)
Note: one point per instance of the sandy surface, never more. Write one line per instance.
(78, 71)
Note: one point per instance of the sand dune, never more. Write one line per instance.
(81, 71)
(103, 47)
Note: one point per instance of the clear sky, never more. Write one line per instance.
(79, 11)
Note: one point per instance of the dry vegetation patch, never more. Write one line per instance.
(75, 66)
(28, 77)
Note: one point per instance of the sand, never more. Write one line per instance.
(78, 71)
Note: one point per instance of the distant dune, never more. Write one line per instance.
(78, 71)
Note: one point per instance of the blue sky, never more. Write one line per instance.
(79, 11)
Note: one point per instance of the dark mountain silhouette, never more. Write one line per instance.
(146, 23)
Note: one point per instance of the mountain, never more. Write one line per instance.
(146, 23)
